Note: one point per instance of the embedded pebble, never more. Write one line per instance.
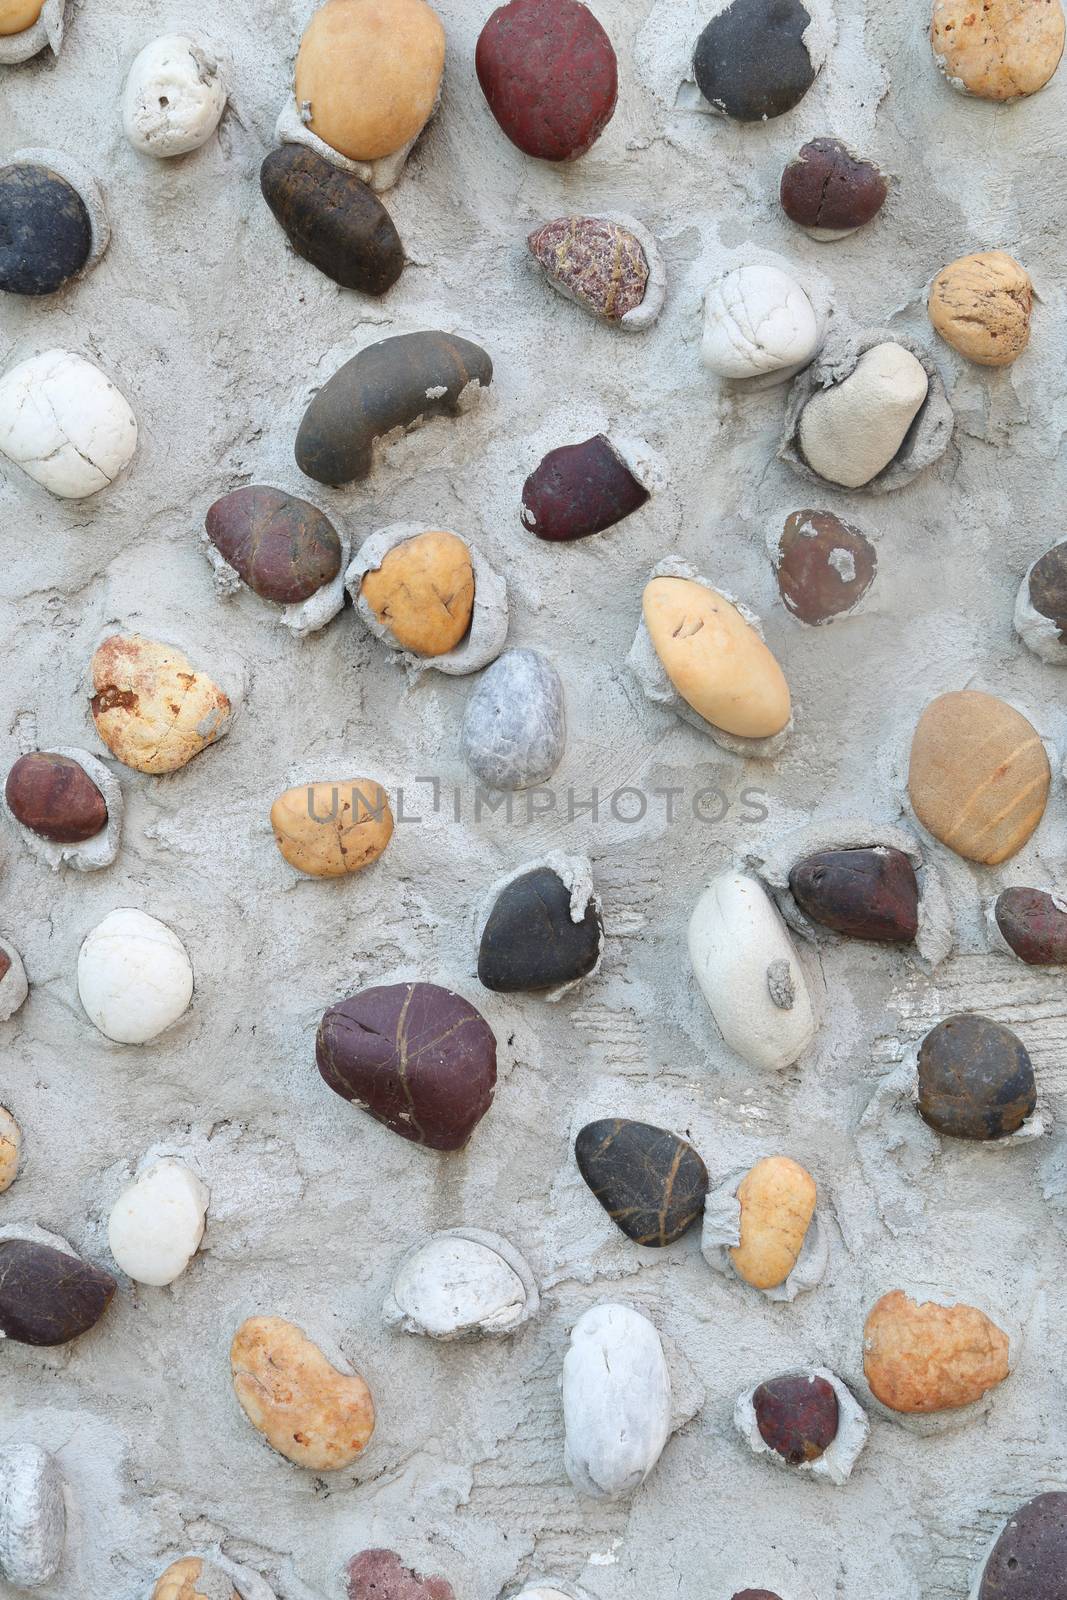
(151, 709)
(981, 306)
(46, 235)
(1029, 1559)
(175, 95)
(824, 566)
(1041, 606)
(368, 75)
(1013, 51)
(851, 432)
(18, 15)
(609, 266)
(332, 219)
(549, 74)
(13, 985)
(33, 1516)
(157, 1223)
(414, 1056)
(539, 934)
(616, 1401)
(979, 776)
(308, 1410)
(1034, 923)
(829, 191)
(194, 1579)
(797, 1416)
(328, 830)
(757, 320)
(282, 547)
(777, 1199)
(756, 1594)
(715, 658)
(391, 386)
(135, 978)
(650, 1182)
(462, 1284)
(47, 1295)
(515, 725)
(10, 1149)
(752, 61)
(381, 1575)
(976, 1080)
(864, 894)
(65, 424)
(423, 592)
(924, 1358)
(581, 489)
(54, 796)
(748, 972)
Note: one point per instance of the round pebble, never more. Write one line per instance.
(981, 306)
(1002, 51)
(515, 726)
(151, 708)
(537, 937)
(797, 1415)
(851, 432)
(175, 95)
(328, 830)
(864, 894)
(824, 566)
(282, 547)
(135, 978)
(752, 61)
(1034, 923)
(830, 191)
(48, 1296)
(549, 74)
(46, 234)
(332, 219)
(381, 1575)
(650, 1182)
(757, 320)
(616, 1401)
(976, 1080)
(65, 424)
(777, 1199)
(423, 592)
(10, 1149)
(579, 490)
(1029, 1559)
(926, 1358)
(157, 1223)
(54, 797)
(310, 1412)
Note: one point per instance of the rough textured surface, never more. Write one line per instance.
(45, 232)
(1002, 50)
(866, 894)
(423, 592)
(532, 939)
(381, 1575)
(328, 830)
(55, 797)
(332, 219)
(797, 1416)
(981, 306)
(1034, 924)
(580, 489)
(921, 1358)
(976, 1080)
(48, 1297)
(284, 548)
(33, 1516)
(752, 61)
(650, 1182)
(549, 74)
(1029, 1559)
(824, 566)
(314, 1415)
(174, 96)
(595, 262)
(830, 190)
(851, 432)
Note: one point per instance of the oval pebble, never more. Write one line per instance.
(175, 95)
(462, 1284)
(332, 219)
(824, 566)
(1034, 923)
(650, 1182)
(46, 234)
(310, 1412)
(1041, 606)
(777, 1199)
(752, 61)
(282, 547)
(581, 489)
(157, 1223)
(65, 424)
(976, 1080)
(829, 191)
(151, 708)
(10, 1149)
(604, 265)
(47, 1295)
(852, 431)
(1013, 52)
(329, 830)
(515, 726)
(55, 797)
(1029, 1558)
(864, 894)
(921, 1359)
(33, 1516)
(135, 978)
(549, 74)
(616, 1401)
(381, 1575)
(13, 985)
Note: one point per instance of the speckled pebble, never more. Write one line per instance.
(381, 1575)
(981, 306)
(600, 264)
(1029, 1560)
(1005, 50)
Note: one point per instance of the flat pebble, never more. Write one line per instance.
(151, 708)
(979, 776)
(393, 385)
(33, 1515)
(157, 1223)
(1013, 51)
(329, 830)
(616, 1401)
(777, 1199)
(191, 1578)
(310, 1412)
(381, 1575)
(829, 191)
(602, 265)
(54, 797)
(423, 592)
(1029, 1559)
(581, 489)
(981, 306)
(332, 219)
(864, 894)
(463, 1283)
(797, 1415)
(752, 61)
(1034, 923)
(650, 1182)
(515, 726)
(549, 74)
(46, 234)
(414, 1056)
(824, 566)
(10, 1149)
(65, 424)
(757, 320)
(976, 1080)
(536, 937)
(135, 978)
(925, 1358)
(49, 1296)
(282, 547)
(175, 95)
(851, 432)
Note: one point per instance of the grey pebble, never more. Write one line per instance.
(515, 726)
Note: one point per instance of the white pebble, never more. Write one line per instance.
(156, 1225)
(13, 985)
(616, 1401)
(135, 978)
(175, 95)
(33, 1518)
(65, 424)
(757, 319)
(462, 1284)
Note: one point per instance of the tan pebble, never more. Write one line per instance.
(314, 1415)
(152, 710)
(777, 1201)
(715, 659)
(193, 1579)
(981, 305)
(18, 15)
(10, 1149)
(979, 776)
(330, 829)
(923, 1358)
(423, 592)
(999, 49)
(370, 71)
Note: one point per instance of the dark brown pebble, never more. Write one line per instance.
(976, 1080)
(332, 219)
(827, 186)
(282, 547)
(55, 797)
(48, 1297)
(1029, 1560)
(651, 1183)
(865, 894)
(824, 566)
(1048, 586)
(1034, 926)
(797, 1416)
(580, 489)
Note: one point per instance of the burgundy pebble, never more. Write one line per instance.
(282, 547)
(549, 73)
(828, 187)
(381, 1575)
(824, 566)
(55, 797)
(1034, 926)
(797, 1416)
(864, 894)
(47, 1296)
(756, 1594)
(580, 489)
(416, 1057)
(1029, 1560)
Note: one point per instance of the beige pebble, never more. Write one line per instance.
(423, 592)
(18, 15)
(10, 1149)
(193, 1579)
(923, 1358)
(152, 710)
(999, 49)
(715, 659)
(981, 305)
(777, 1200)
(314, 1415)
(330, 829)
(850, 432)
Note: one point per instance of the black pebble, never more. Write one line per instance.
(651, 1183)
(332, 219)
(45, 232)
(751, 62)
(530, 942)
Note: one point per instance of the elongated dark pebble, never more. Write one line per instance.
(332, 219)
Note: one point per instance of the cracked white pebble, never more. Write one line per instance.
(135, 978)
(757, 319)
(175, 95)
(616, 1401)
(65, 424)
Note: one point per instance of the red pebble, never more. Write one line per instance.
(580, 489)
(549, 73)
(381, 1575)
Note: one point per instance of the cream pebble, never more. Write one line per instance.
(135, 978)
(462, 1284)
(33, 1517)
(175, 95)
(156, 1224)
(65, 424)
(758, 320)
(13, 985)
(851, 432)
(616, 1401)
(10, 1149)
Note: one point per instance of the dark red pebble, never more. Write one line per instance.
(48, 1297)
(55, 797)
(756, 1594)
(549, 73)
(283, 548)
(797, 1416)
(827, 186)
(1034, 926)
(578, 490)
(1029, 1560)
(865, 894)
(381, 1575)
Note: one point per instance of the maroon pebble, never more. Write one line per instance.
(381, 1575)
(830, 190)
(5, 965)
(282, 547)
(1034, 926)
(48, 1297)
(824, 566)
(580, 489)
(797, 1416)
(756, 1594)
(414, 1056)
(55, 797)
(549, 73)
(862, 893)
